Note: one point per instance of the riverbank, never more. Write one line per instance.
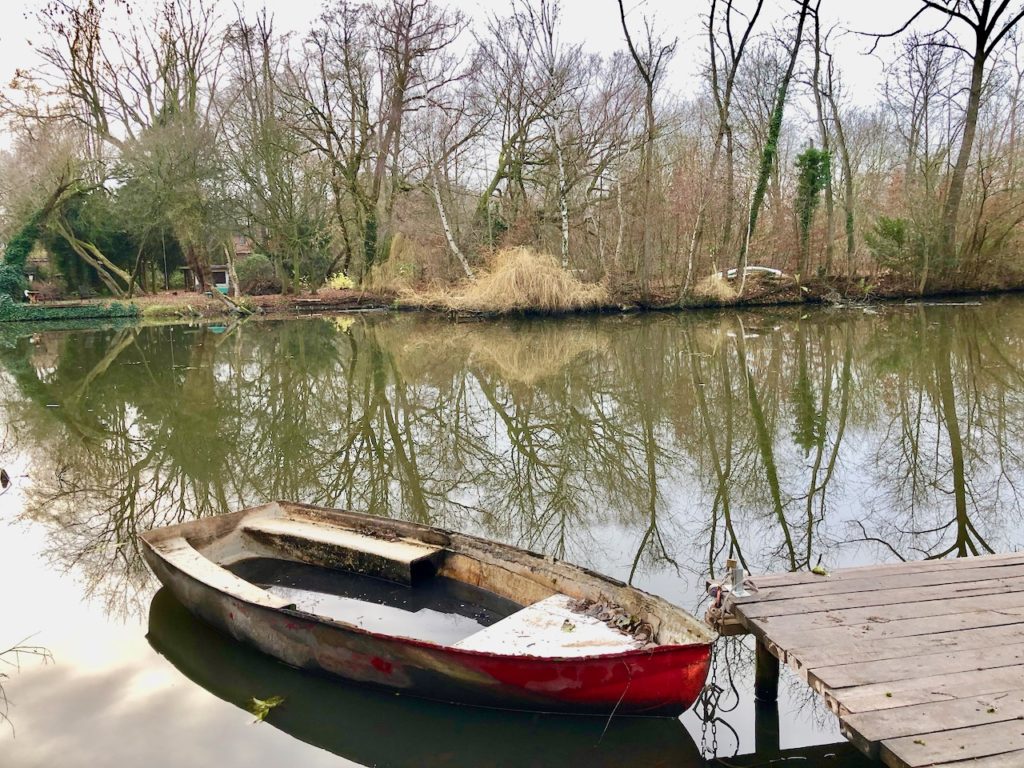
(181, 305)
(759, 290)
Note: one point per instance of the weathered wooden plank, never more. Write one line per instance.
(883, 614)
(864, 673)
(881, 627)
(924, 662)
(868, 729)
(853, 650)
(796, 578)
(929, 749)
(890, 581)
(922, 690)
(1005, 760)
(774, 608)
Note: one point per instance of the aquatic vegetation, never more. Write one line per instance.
(262, 707)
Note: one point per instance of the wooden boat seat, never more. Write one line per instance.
(183, 556)
(401, 560)
(550, 629)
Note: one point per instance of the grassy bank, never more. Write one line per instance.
(84, 310)
(190, 306)
(517, 281)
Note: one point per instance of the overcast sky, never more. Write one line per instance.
(594, 23)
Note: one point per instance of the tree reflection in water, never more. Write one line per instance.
(647, 446)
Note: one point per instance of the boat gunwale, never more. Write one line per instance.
(658, 649)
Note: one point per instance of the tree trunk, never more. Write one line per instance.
(435, 187)
(563, 193)
(769, 154)
(229, 254)
(826, 146)
(848, 201)
(951, 208)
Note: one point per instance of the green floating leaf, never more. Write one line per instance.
(261, 707)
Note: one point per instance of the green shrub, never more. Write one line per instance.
(12, 282)
(20, 245)
(902, 244)
(256, 276)
(176, 280)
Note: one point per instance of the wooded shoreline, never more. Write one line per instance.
(179, 306)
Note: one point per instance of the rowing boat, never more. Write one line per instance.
(432, 613)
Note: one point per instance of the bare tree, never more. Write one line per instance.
(650, 60)
(988, 24)
(769, 153)
(723, 81)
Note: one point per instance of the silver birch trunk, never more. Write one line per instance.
(435, 187)
(563, 196)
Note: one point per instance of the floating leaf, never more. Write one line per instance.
(261, 707)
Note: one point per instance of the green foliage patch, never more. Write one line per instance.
(12, 282)
(12, 270)
(256, 276)
(903, 244)
(814, 174)
(13, 312)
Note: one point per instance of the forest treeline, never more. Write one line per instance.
(398, 143)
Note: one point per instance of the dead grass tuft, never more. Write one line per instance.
(714, 288)
(526, 355)
(398, 272)
(518, 280)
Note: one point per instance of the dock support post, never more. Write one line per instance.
(766, 675)
(766, 728)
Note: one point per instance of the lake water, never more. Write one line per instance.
(648, 447)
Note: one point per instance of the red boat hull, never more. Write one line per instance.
(662, 681)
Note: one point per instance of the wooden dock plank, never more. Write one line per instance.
(922, 690)
(1005, 760)
(882, 628)
(867, 730)
(923, 662)
(859, 649)
(882, 614)
(929, 749)
(771, 608)
(872, 583)
(884, 569)
(846, 675)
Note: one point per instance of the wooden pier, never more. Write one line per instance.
(923, 662)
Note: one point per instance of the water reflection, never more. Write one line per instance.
(649, 447)
(701, 436)
(377, 728)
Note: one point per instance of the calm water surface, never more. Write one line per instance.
(648, 447)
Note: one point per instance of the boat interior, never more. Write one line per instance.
(406, 580)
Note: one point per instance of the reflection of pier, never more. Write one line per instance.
(923, 662)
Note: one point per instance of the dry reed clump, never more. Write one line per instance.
(529, 356)
(715, 288)
(518, 280)
(398, 271)
(521, 355)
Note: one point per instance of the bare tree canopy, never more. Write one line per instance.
(401, 144)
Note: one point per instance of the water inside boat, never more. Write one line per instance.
(437, 609)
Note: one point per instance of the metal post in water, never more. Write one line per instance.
(738, 576)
